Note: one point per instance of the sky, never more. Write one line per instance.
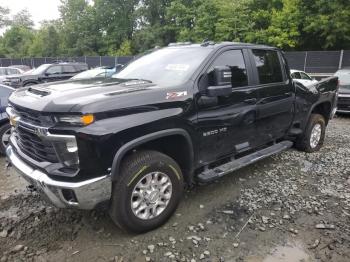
(39, 9)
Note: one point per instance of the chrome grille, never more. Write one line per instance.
(32, 117)
(33, 146)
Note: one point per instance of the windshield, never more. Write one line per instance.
(344, 78)
(166, 67)
(37, 71)
(2, 71)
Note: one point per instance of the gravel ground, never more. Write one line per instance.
(289, 207)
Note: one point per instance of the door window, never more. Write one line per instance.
(296, 75)
(305, 76)
(12, 71)
(268, 65)
(68, 69)
(233, 59)
(54, 70)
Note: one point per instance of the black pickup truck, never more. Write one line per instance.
(184, 114)
(46, 73)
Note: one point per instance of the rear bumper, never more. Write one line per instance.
(82, 195)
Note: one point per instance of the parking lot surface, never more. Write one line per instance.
(290, 207)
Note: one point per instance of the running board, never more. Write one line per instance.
(217, 172)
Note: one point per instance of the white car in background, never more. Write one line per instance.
(302, 78)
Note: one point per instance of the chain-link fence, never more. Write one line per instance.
(319, 62)
(314, 62)
(92, 61)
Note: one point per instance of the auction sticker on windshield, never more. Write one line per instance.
(177, 67)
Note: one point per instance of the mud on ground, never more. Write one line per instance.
(289, 207)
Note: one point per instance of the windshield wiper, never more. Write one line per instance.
(135, 79)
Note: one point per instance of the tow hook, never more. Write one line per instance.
(8, 164)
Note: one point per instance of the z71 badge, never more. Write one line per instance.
(173, 95)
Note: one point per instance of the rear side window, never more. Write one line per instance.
(268, 65)
(54, 70)
(81, 67)
(235, 61)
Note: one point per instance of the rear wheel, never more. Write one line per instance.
(5, 132)
(313, 137)
(147, 192)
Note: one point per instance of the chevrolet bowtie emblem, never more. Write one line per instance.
(40, 131)
(14, 120)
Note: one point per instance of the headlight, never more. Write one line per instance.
(15, 80)
(83, 120)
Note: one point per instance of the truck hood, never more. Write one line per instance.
(22, 77)
(87, 95)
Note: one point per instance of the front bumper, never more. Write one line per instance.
(12, 84)
(343, 103)
(82, 195)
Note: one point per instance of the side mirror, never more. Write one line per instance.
(221, 84)
(215, 91)
(222, 76)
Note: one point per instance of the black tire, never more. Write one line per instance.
(133, 170)
(304, 142)
(5, 130)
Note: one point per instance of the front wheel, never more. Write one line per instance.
(147, 192)
(313, 137)
(5, 133)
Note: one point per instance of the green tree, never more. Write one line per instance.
(279, 26)
(79, 29)
(234, 20)
(16, 41)
(22, 19)
(326, 24)
(46, 42)
(4, 20)
(115, 20)
(152, 26)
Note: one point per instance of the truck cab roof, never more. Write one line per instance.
(213, 45)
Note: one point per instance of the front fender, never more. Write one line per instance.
(115, 125)
(144, 139)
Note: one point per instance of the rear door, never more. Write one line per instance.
(227, 123)
(275, 105)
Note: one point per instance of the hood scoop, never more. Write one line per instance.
(38, 92)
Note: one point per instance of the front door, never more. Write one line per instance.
(276, 95)
(227, 123)
(52, 74)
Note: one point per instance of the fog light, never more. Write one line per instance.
(69, 196)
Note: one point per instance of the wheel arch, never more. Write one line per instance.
(182, 153)
(34, 82)
(324, 109)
